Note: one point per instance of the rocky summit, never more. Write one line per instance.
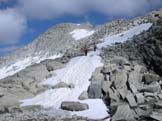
(51, 79)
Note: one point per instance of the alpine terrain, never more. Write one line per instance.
(51, 79)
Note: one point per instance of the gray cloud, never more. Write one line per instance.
(47, 9)
(13, 21)
(12, 26)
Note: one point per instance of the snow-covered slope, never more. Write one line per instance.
(22, 64)
(78, 72)
(124, 36)
(78, 34)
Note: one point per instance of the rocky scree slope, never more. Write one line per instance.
(134, 92)
(145, 48)
(121, 83)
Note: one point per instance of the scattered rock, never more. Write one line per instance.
(149, 78)
(106, 86)
(74, 106)
(119, 78)
(156, 116)
(160, 96)
(114, 106)
(153, 87)
(94, 91)
(61, 85)
(123, 113)
(158, 105)
(71, 85)
(130, 98)
(97, 76)
(3, 109)
(83, 96)
(50, 68)
(140, 98)
(132, 88)
(142, 113)
(123, 93)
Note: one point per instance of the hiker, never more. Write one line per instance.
(94, 47)
(85, 49)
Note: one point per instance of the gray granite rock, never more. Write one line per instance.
(83, 96)
(74, 106)
(123, 113)
(131, 100)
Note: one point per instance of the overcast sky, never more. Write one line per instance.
(23, 20)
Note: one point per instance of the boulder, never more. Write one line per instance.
(113, 95)
(106, 86)
(50, 68)
(71, 85)
(132, 88)
(52, 65)
(97, 76)
(150, 100)
(3, 109)
(146, 107)
(108, 69)
(123, 93)
(120, 61)
(160, 96)
(2, 92)
(114, 106)
(95, 91)
(61, 85)
(83, 96)
(38, 72)
(142, 113)
(74, 106)
(158, 105)
(131, 100)
(153, 87)
(140, 98)
(120, 79)
(149, 78)
(156, 116)
(135, 78)
(124, 113)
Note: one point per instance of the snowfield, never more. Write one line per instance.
(22, 64)
(78, 72)
(78, 34)
(124, 36)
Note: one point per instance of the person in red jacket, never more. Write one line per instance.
(85, 49)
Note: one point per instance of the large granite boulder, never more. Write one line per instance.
(149, 78)
(74, 106)
(94, 91)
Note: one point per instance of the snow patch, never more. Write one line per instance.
(124, 36)
(78, 72)
(97, 109)
(78, 34)
(22, 64)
